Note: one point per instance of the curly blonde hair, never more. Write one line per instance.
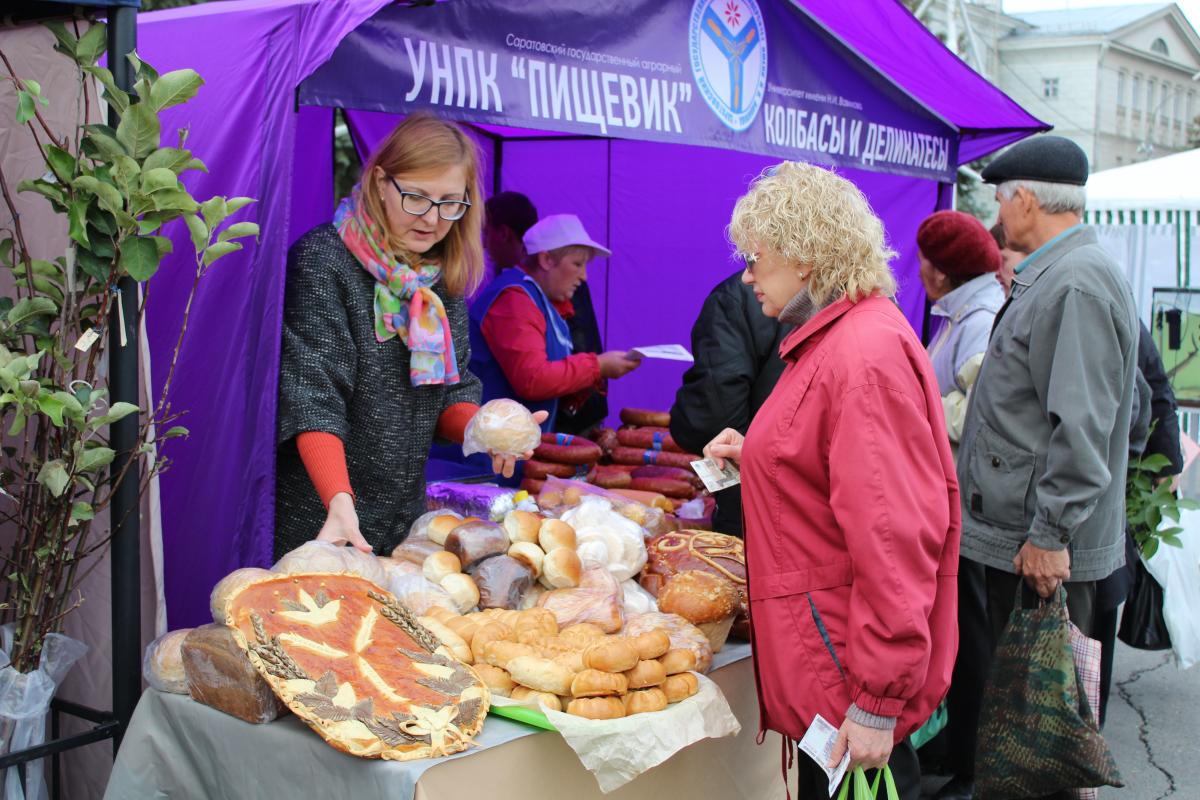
(818, 221)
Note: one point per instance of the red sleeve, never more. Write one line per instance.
(516, 334)
(889, 495)
(324, 458)
(452, 424)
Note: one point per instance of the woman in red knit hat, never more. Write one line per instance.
(959, 261)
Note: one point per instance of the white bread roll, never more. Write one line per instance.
(462, 589)
(440, 527)
(528, 554)
(561, 569)
(555, 533)
(439, 565)
(522, 526)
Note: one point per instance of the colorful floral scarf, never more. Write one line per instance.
(405, 303)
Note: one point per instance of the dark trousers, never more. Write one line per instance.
(970, 672)
(1105, 632)
(812, 784)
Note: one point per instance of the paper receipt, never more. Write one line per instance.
(818, 743)
(717, 478)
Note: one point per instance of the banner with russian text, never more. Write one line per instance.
(758, 76)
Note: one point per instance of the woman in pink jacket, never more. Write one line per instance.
(851, 502)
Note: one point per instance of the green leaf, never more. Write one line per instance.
(235, 204)
(174, 200)
(53, 475)
(44, 286)
(117, 98)
(102, 225)
(171, 158)
(6, 251)
(1154, 462)
(195, 164)
(1185, 503)
(18, 423)
(139, 258)
(29, 308)
(95, 458)
(77, 218)
(215, 210)
(198, 231)
(150, 223)
(25, 107)
(51, 191)
(163, 244)
(61, 162)
(93, 266)
(71, 407)
(125, 172)
(220, 249)
(139, 130)
(91, 44)
(67, 43)
(143, 69)
(237, 230)
(82, 512)
(174, 432)
(107, 195)
(118, 411)
(157, 179)
(175, 87)
(53, 408)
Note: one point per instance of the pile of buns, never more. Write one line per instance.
(487, 565)
(578, 669)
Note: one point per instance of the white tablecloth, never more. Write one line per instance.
(179, 748)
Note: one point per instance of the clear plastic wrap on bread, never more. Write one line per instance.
(598, 599)
(559, 496)
(684, 635)
(502, 427)
(314, 556)
(419, 595)
(220, 676)
(162, 665)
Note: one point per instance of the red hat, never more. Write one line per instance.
(958, 245)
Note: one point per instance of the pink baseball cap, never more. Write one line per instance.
(560, 230)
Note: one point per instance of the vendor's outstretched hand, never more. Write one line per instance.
(504, 465)
(341, 524)
(727, 445)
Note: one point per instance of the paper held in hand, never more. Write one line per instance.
(717, 478)
(671, 352)
(818, 742)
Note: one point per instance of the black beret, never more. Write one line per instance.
(1052, 159)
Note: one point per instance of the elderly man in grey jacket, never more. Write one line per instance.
(1044, 449)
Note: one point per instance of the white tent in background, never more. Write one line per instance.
(1148, 217)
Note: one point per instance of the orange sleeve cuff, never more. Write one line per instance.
(452, 424)
(324, 458)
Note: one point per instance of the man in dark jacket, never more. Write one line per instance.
(736, 348)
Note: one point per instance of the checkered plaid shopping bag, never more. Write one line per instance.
(1086, 652)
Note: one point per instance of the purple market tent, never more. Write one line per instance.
(645, 118)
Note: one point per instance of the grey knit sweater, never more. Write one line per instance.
(334, 377)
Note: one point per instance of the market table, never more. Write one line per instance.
(178, 748)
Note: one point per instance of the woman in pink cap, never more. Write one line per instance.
(520, 343)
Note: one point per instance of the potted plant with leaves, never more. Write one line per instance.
(117, 190)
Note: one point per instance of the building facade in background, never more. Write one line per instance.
(1121, 81)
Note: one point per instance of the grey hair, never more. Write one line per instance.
(1053, 198)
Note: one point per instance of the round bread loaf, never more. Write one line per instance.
(611, 655)
(555, 533)
(561, 568)
(533, 697)
(541, 674)
(646, 673)
(594, 683)
(528, 554)
(642, 701)
(680, 687)
(522, 526)
(500, 653)
(439, 565)
(678, 660)
(462, 590)
(440, 527)
(699, 597)
(652, 644)
(496, 679)
(597, 707)
(230, 585)
(162, 665)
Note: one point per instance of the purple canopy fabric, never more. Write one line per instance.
(661, 207)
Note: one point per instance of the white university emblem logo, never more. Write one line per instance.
(728, 46)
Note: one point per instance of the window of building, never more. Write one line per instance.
(1137, 93)
(1050, 88)
(1151, 86)
(1160, 46)
(1122, 77)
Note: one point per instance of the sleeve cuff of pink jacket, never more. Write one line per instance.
(879, 706)
(869, 720)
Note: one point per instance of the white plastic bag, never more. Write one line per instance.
(162, 665)
(637, 599)
(419, 595)
(1177, 569)
(607, 538)
(25, 702)
(317, 556)
(502, 426)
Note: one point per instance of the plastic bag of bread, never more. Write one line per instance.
(502, 580)
(558, 496)
(637, 600)
(420, 527)
(162, 666)
(684, 635)
(317, 556)
(415, 551)
(502, 427)
(598, 600)
(220, 676)
(419, 595)
(230, 585)
(605, 537)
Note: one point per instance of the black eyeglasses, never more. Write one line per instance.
(418, 204)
